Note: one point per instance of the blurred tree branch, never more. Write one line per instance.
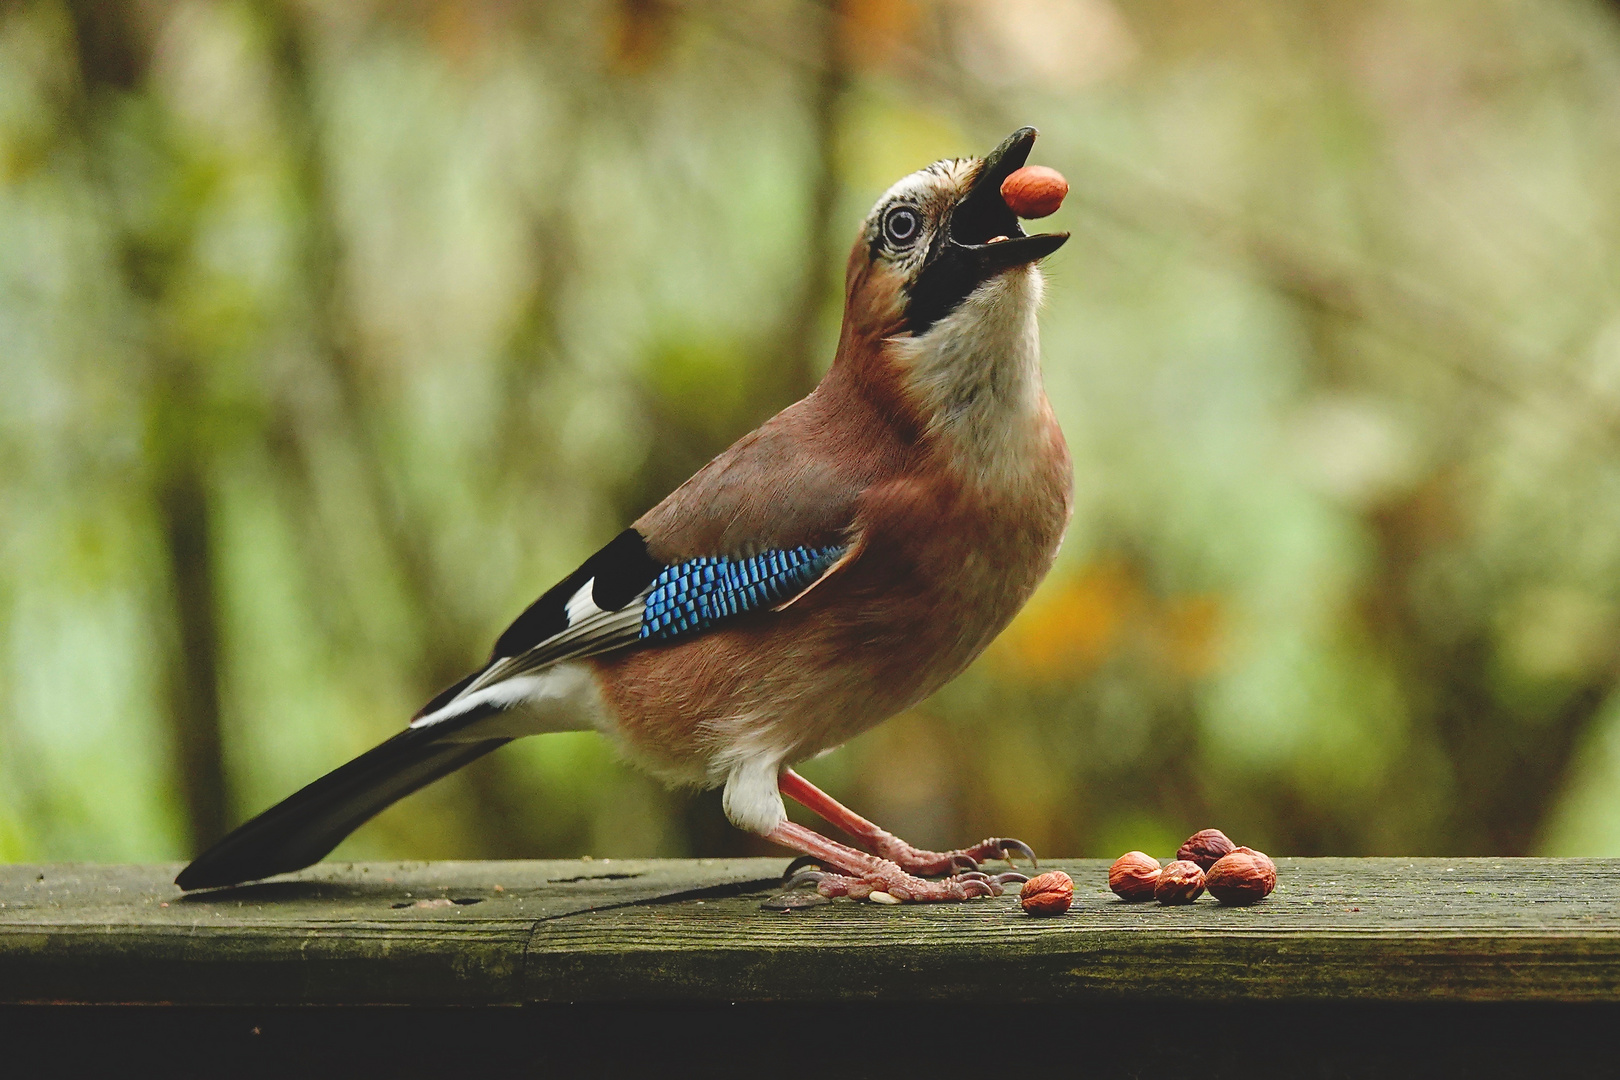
(113, 41)
(1509, 756)
(443, 633)
(800, 365)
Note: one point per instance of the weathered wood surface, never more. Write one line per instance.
(694, 930)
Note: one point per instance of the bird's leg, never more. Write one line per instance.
(866, 876)
(890, 846)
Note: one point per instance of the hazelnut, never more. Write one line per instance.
(1034, 191)
(1204, 847)
(1181, 882)
(1133, 876)
(1263, 857)
(1050, 893)
(1242, 877)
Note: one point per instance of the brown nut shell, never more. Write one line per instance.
(1263, 857)
(1034, 191)
(1242, 877)
(1050, 893)
(1204, 847)
(1133, 876)
(1181, 882)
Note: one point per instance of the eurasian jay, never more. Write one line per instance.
(832, 568)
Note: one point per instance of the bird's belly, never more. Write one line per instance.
(883, 634)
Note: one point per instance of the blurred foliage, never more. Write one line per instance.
(332, 334)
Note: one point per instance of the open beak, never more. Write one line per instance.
(983, 225)
(982, 239)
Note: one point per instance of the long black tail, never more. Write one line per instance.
(305, 826)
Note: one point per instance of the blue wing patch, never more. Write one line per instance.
(693, 595)
(632, 599)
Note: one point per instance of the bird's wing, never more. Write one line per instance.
(796, 480)
(753, 530)
(622, 597)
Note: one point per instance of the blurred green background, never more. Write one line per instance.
(331, 334)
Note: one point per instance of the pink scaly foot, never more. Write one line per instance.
(898, 887)
(918, 861)
(864, 876)
(891, 847)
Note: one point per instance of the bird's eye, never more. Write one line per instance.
(901, 226)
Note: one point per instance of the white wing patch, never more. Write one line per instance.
(580, 606)
(591, 630)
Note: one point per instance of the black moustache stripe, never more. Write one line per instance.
(947, 279)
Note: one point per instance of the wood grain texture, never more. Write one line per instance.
(693, 930)
(336, 934)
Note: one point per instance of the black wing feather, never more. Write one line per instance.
(621, 569)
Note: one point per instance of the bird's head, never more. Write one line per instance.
(937, 237)
(942, 264)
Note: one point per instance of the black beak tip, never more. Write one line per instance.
(1010, 156)
(1013, 151)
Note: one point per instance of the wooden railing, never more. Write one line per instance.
(695, 931)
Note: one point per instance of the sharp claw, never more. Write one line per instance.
(974, 875)
(968, 888)
(1009, 846)
(799, 864)
(1009, 877)
(805, 877)
(966, 862)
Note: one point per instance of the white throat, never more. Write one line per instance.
(977, 375)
